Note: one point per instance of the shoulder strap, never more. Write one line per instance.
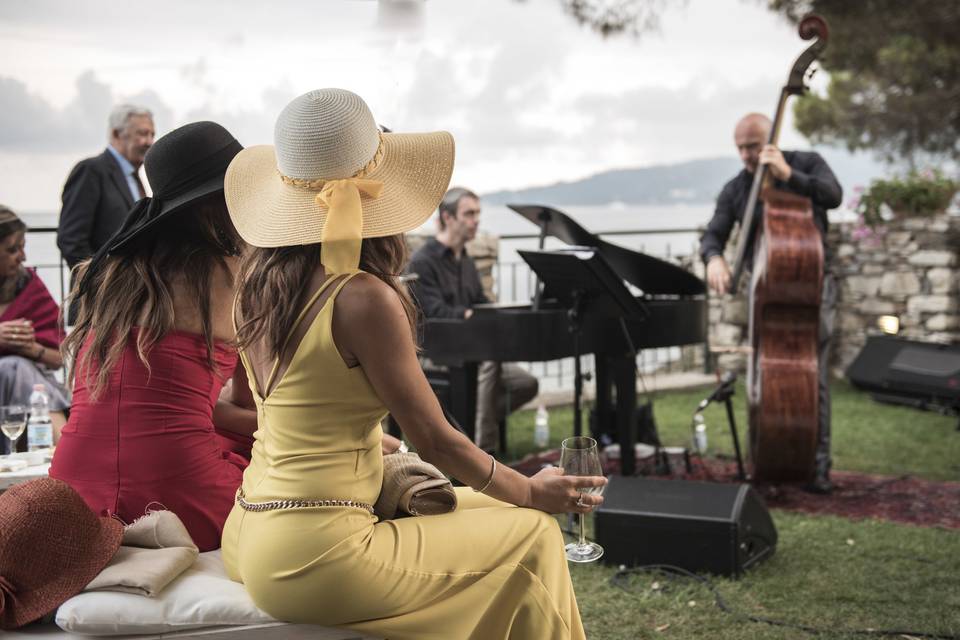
(303, 312)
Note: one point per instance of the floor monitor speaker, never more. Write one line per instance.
(710, 527)
(921, 374)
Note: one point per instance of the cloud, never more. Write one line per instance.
(662, 124)
(496, 103)
(24, 117)
(28, 122)
(251, 125)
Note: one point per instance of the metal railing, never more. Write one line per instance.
(58, 271)
(554, 375)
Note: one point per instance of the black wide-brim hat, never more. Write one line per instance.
(184, 166)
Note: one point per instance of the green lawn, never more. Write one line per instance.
(828, 572)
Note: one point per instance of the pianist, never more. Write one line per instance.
(447, 287)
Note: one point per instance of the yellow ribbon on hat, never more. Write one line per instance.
(343, 230)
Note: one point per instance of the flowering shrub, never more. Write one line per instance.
(917, 194)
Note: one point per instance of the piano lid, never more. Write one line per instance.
(650, 275)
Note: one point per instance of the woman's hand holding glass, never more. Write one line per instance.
(580, 460)
(554, 492)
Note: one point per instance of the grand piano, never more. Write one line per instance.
(676, 314)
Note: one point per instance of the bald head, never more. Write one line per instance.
(750, 134)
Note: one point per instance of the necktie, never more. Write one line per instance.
(136, 178)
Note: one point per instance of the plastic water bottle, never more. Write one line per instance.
(541, 427)
(39, 427)
(699, 434)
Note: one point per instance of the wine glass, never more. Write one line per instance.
(13, 420)
(579, 457)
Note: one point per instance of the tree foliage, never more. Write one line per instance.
(894, 77)
(616, 17)
(611, 17)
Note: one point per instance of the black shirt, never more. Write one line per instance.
(810, 177)
(446, 286)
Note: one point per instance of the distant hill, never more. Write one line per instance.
(693, 181)
(696, 181)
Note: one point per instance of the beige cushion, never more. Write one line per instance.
(202, 596)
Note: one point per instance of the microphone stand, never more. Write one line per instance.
(724, 393)
(573, 320)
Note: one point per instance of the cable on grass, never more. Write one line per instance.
(619, 580)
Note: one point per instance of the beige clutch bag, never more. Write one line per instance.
(155, 549)
(413, 487)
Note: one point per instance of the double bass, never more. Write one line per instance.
(785, 290)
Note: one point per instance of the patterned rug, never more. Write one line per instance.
(905, 499)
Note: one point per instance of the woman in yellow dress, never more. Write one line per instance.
(327, 336)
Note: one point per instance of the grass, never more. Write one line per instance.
(828, 572)
(867, 436)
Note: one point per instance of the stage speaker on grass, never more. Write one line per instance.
(709, 527)
(924, 375)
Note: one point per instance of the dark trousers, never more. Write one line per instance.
(502, 388)
(828, 312)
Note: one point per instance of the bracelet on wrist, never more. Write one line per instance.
(493, 470)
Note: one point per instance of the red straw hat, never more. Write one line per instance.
(51, 546)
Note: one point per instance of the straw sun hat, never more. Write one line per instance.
(51, 546)
(333, 176)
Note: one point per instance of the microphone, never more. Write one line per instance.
(726, 382)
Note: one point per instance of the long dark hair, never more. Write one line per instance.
(272, 294)
(136, 290)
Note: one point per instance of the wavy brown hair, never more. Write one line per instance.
(272, 291)
(136, 290)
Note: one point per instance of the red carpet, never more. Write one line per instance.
(905, 499)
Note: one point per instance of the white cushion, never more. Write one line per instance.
(202, 596)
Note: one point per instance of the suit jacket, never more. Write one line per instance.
(96, 200)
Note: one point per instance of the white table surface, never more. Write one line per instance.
(10, 478)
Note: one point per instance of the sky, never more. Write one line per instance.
(531, 96)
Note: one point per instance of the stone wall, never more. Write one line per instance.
(910, 268)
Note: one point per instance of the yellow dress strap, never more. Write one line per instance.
(303, 312)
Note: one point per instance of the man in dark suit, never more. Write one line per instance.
(101, 190)
(804, 173)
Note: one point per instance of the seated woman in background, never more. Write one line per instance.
(30, 332)
(326, 329)
(153, 347)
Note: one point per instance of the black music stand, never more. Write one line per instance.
(581, 280)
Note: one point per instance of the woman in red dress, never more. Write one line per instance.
(151, 425)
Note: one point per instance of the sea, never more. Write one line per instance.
(664, 231)
(636, 227)
(667, 231)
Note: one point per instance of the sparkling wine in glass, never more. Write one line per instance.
(13, 420)
(579, 457)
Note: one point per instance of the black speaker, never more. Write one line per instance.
(920, 374)
(709, 527)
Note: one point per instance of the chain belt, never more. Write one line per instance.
(297, 504)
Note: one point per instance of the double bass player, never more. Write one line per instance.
(805, 174)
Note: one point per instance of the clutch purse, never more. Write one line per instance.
(413, 487)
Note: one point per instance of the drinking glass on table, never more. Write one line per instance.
(579, 457)
(13, 420)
